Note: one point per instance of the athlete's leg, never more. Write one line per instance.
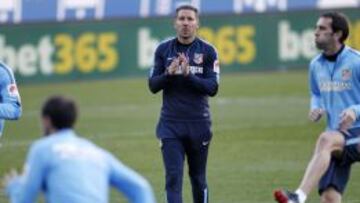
(197, 152)
(327, 143)
(331, 195)
(173, 156)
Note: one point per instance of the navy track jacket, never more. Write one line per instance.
(185, 98)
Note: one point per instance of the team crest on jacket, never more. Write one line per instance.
(198, 58)
(12, 90)
(346, 74)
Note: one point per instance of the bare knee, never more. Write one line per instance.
(330, 196)
(329, 142)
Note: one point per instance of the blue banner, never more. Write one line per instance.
(19, 11)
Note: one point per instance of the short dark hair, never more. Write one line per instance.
(61, 111)
(339, 23)
(187, 7)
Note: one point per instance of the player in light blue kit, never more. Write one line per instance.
(68, 168)
(335, 92)
(10, 105)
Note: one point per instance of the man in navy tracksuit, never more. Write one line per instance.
(187, 70)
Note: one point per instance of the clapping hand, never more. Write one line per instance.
(171, 70)
(184, 64)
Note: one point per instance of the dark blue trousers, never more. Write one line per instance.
(182, 140)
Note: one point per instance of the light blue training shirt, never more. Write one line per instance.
(335, 85)
(10, 105)
(67, 168)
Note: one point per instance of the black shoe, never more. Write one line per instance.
(283, 196)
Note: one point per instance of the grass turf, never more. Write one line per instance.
(262, 139)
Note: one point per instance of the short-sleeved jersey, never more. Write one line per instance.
(335, 85)
(185, 98)
(68, 168)
(10, 105)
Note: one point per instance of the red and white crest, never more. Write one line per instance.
(13, 90)
(346, 74)
(198, 58)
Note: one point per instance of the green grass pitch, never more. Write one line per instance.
(262, 138)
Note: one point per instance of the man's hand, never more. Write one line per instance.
(316, 114)
(9, 177)
(184, 63)
(171, 70)
(347, 118)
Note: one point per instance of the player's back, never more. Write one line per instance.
(75, 169)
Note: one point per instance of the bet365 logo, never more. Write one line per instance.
(63, 54)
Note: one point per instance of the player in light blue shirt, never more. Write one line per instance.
(335, 86)
(10, 105)
(68, 168)
(334, 78)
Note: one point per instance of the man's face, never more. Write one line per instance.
(324, 35)
(186, 23)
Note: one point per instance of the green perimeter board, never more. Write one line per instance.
(124, 47)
